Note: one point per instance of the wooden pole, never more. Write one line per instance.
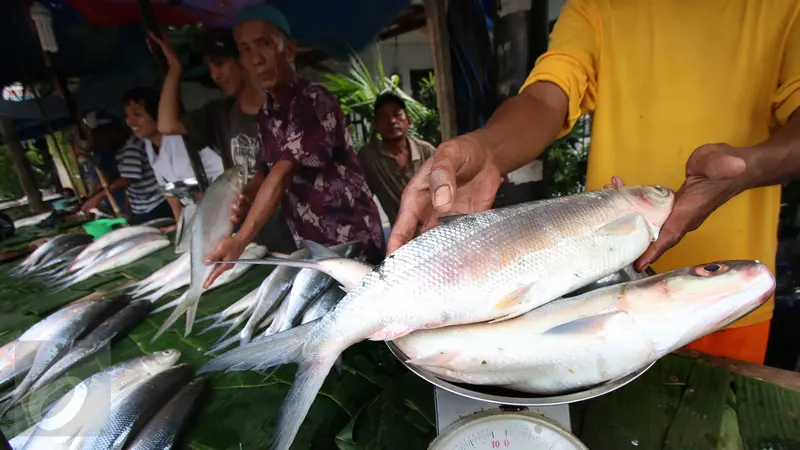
(436, 18)
(22, 166)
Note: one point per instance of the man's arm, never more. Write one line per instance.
(118, 185)
(176, 207)
(169, 105)
(511, 135)
(776, 160)
(266, 202)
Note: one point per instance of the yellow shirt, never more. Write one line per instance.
(663, 77)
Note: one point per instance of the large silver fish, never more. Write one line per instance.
(212, 223)
(74, 414)
(130, 411)
(599, 336)
(65, 327)
(162, 429)
(112, 328)
(490, 266)
(323, 304)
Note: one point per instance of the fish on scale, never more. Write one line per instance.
(599, 336)
(490, 266)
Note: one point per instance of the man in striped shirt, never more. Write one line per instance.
(136, 176)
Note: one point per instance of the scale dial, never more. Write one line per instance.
(498, 429)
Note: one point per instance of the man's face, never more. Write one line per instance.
(392, 122)
(141, 123)
(227, 73)
(265, 52)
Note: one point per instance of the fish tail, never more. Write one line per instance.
(219, 323)
(222, 345)
(275, 350)
(180, 308)
(169, 305)
(307, 382)
(215, 317)
(191, 313)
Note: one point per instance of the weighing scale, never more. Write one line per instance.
(475, 418)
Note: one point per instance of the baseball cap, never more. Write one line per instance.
(266, 13)
(216, 42)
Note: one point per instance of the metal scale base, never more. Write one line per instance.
(451, 407)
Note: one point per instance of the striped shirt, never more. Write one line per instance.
(144, 194)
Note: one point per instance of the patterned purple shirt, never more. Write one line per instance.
(327, 200)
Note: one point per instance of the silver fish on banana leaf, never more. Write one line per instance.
(164, 427)
(67, 421)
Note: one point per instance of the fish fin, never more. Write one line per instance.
(439, 359)
(585, 325)
(391, 332)
(232, 324)
(450, 218)
(191, 312)
(274, 350)
(509, 316)
(623, 226)
(512, 301)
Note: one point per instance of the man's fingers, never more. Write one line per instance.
(404, 227)
(214, 274)
(447, 159)
(671, 233)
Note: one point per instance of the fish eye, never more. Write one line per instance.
(711, 269)
(661, 191)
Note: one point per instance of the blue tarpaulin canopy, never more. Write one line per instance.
(102, 42)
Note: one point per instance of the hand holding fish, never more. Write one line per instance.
(461, 178)
(715, 173)
(239, 209)
(228, 249)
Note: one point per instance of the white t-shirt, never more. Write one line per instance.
(172, 163)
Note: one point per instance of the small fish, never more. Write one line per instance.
(129, 412)
(111, 329)
(107, 240)
(599, 336)
(490, 266)
(44, 251)
(163, 428)
(71, 417)
(122, 254)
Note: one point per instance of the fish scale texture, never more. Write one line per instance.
(473, 268)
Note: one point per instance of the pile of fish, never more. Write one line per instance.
(478, 300)
(71, 258)
(139, 404)
(65, 338)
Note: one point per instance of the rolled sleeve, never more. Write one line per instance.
(787, 97)
(311, 132)
(572, 58)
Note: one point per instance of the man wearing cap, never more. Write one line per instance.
(389, 163)
(228, 125)
(313, 170)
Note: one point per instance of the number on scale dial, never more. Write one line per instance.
(505, 430)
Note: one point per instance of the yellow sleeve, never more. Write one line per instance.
(787, 97)
(571, 59)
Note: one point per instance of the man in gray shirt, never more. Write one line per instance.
(228, 125)
(390, 163)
